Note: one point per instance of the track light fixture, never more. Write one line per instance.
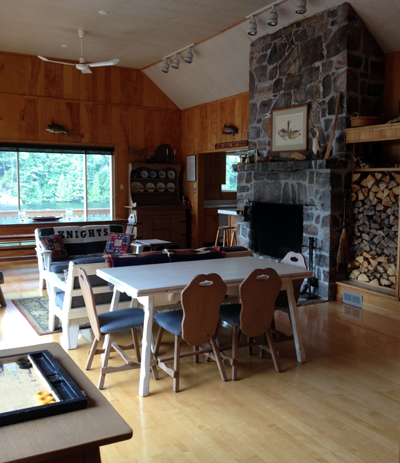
(273, 17)
(165, 68)
(189, 56)
(301, 6)
(252, 29)
(176, 62)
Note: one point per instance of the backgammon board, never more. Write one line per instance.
(34, 385)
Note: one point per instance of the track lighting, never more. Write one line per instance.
(176, 62)
(301, 6)
(189, 56)
(252, 29)
(273, 17)
(165, 68)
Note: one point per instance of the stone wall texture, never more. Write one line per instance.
(309, 62)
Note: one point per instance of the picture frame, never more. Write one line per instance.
(191, 168)
(289, 129)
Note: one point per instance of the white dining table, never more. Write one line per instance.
(145, 282)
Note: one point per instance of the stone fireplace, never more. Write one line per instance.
(310, 62)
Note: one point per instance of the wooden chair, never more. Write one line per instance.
(298, 260)
(254, 315)
(196, 323)
(229, 236)
(107, 324)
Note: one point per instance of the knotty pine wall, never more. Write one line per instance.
(201, 130)
(113, 106)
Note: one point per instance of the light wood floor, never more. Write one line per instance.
(343, 405)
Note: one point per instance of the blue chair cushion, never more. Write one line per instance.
(60, 266)
(170, 321)
(121, 319)
(230, 313)
(99, 298)
(144, 258)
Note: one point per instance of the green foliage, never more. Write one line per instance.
(53, 177)
(231, 176)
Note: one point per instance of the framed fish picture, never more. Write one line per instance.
(289, 129)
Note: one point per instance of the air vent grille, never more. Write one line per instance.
(352, 299)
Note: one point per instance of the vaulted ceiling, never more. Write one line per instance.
(142, 32)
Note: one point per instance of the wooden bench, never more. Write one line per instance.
(17, 247)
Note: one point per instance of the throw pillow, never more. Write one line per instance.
(55, 244)
(118, 243)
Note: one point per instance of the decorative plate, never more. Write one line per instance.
(164, 154)
(160, 186)
(150, 187)
(137, 187)
(170, 187)
(49, 218)
(162, 174)
(144, 173)
(171, 173)
(153, 174)
(134, 174)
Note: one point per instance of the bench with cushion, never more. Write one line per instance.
(68, 248)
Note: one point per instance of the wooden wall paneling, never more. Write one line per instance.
(392, 85)
(128, 82)
(102, 124)
(87, 124)
(11, 108)
(213, 125)
(29, 125)
(151, 95)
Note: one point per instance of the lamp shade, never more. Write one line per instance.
(252, 29)
(176, 61)
(273, 17)
(189, 56)
(165, 68)
(301, 6)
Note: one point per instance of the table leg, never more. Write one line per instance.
(148, 307)
(294, 317)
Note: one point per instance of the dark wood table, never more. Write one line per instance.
(68, 437)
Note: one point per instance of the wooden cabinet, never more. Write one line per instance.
(211, 223)
(155, 199)
(154, 184)
(167, 223)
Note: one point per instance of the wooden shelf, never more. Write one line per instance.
(373, 133)
(378, 169)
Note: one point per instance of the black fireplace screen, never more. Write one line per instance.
(275, 229)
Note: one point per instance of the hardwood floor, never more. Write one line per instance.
(342, 405)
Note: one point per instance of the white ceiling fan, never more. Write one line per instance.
(82, 65)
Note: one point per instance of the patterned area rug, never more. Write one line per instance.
(35, 310)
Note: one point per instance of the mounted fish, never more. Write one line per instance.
(229, 130)
(57, 129)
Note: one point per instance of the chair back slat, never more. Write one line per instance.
(298, 260)
(258, 293)
(201, 300)
(88, 297)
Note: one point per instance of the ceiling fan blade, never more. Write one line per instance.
(51, 61)
(104, 63)
(83, 67)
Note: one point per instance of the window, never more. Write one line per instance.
(231, 175)
(49, 181)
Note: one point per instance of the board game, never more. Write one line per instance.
(34, 385)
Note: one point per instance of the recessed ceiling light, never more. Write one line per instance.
(64, 46)
(103, 12)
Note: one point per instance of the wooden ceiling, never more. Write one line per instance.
(141, 33)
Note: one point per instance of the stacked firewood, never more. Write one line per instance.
(375, 197)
